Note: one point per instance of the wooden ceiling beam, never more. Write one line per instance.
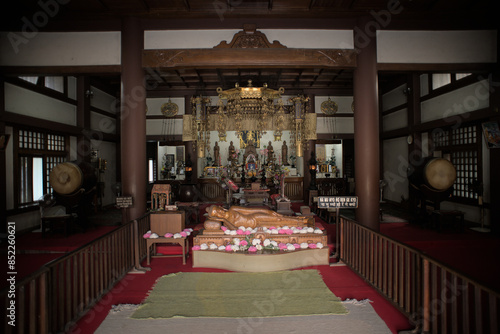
(250, 58)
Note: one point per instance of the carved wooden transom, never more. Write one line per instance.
(249, 38)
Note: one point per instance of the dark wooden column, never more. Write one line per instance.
(133, 117)
(83, 119)
(190, 146)
(3, 164)
(366, 127)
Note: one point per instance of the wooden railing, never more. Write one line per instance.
(435, 297)
(53, 298)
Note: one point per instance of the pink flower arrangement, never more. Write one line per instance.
(312, 246)
(168, 235)
(240, 232)
(146, 235)
(252, 249)
(228, 248)
(282, 246)
(196, 248)
(223, 228)
(183, 234)
(243, 243)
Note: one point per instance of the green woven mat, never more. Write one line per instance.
(235, 295)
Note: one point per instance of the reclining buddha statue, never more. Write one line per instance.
(237, 216)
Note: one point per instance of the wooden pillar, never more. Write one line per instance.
(190, 146)
(84, 145)
(133, 117)
(3, 164)
(366, 126)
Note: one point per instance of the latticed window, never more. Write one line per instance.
(37, 154)
(466, 164)
(463, 146)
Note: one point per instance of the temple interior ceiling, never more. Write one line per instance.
(106, 15)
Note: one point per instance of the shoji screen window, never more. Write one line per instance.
(37, 153)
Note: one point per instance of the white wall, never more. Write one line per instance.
(291, 38)
(451, 105)
(330, 125)
(26, 102)
(479, 46)
(395, 162)
(60, 48)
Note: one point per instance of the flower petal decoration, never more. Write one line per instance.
(228, 248)
(146, 235)
(313, 246)
(243, 243)
(168, 235)
(203, 246)
(213, 246)
(223, 228)
(222, 248)
(154, 236)
(196, 248)
(304, 245)
(252, 249)
(319, 245)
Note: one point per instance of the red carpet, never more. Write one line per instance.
(473, 253)
(58, 242)
(51, 247)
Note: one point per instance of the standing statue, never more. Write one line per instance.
(284, 153)
(270, 152)
(231, 152)
(216, 155)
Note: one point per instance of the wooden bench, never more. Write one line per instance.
(151, 243)
(439, 218)
(51, 221)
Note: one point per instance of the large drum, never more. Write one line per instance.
(440, 174)
(437, 174)
(68, 178)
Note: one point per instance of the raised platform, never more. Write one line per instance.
(262, 262)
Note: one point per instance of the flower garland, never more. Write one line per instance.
(247, 242)
(183, 234)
